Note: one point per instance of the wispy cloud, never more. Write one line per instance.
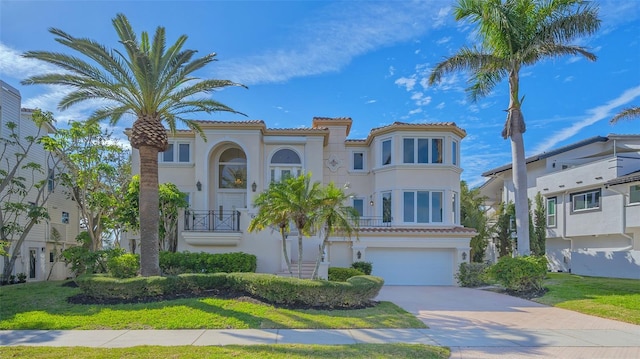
(350, 30)
(593, 115)
(12, 64)
(443, 40)
(407, 82)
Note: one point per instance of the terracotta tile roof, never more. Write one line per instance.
(454, 230)
(246, 122)
(433, 124)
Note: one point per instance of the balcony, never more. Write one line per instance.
(366, 222)
(212, 221)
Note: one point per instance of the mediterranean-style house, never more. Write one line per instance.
(38, 255)
(592, 195)
(405, 181)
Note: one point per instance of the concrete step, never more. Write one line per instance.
(307, 270)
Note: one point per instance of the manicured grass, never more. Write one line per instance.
(617, 299)
(43, 306)
(233, 351)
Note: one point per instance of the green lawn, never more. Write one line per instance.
(43, 305)
(617, 299)
(234, 351)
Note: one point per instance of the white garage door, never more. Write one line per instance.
(412, 266)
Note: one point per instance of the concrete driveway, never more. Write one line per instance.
(481, 324)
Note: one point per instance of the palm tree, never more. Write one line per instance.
(627, 114)
(153, 83)
(514, 34)
(332, 216)
(273, 211)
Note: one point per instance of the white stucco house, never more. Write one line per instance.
(592, 194)
(405, 181)
(38, 254)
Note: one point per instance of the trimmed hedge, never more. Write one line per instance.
(340, 274)
(355, 292)
(364, 267)
(124, 266)
(187, 262)
(472, 274)
(520, 274)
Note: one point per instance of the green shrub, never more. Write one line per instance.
(82, 260)
(472, 274)
(355, 292)
(340, 274)
(187, 262)
(520, 274)
(364, 267)
(124, 266)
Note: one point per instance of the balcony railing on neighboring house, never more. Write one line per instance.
(373, 222)
(212, 221)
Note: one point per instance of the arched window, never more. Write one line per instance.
(285, 163)
(232, 169)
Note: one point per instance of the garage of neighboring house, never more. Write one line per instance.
(413, 266)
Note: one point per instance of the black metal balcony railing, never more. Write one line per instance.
(373, 222)
(212, 221)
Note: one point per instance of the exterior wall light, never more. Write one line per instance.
(199, 186)
(464, 256)
(254, 186)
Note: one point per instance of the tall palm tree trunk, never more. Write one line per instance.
(284, 251)
(520, 187)
(149, 213)
(299, 254)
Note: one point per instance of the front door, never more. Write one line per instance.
(32, 262)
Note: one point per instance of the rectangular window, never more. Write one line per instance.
(436, 207)
(454, 153)
(167, 155)
(454, 208)
(386, 152)
(423, 150)
(408, 150)
(65, 217)
(585, 201)
(551, 212)
(51, 184)
(358, 205)
(423, 207)
(183, 152)
(436, 150)
(358, 161)
(409, 206)
(634, 194)
(386, 207)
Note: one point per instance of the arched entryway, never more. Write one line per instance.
(230, 179)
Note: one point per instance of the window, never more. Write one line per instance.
(454, 153)
(386, 207)
(454, 208)
(358, 161)
(51, 184)
(586, 200)
(422, 207)
(416, 150)
(358, 205)
(167, 155)
(232, 169)
(183, 152)
(65, 217)
(386, 152)
(551, 212)
(285, 163)
(634, 194)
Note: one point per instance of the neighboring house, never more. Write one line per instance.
(405, 181)
(39, 253)
(592, 196)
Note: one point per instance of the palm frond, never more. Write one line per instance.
(627, 114)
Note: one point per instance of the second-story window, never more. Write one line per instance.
(65, 217)
(183, 152)
(358, 205)
(167, 155)
(634, 194)
(51, 183)
(386, 152)
(285, 163)
(585, 200)
(417, 150)
(423, 207)
(358, 161)
(454, 153)
(551, 212)
(386, 207)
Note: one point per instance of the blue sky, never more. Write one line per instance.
(368, 60)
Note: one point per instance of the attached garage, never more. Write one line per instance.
(413, 266)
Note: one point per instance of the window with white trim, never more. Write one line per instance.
(454, 152)
(358, 205)
(386, 152)
(285, 163)
(51, 182)
(634, 194)
(176, 152)
(417, 150)
(387, 215)
(585, 201)
(65, 217)
(551, 211)
(167, 155)
(423, 207)
(454, 208)
(183, 152)
(358, 161)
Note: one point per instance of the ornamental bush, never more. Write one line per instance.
(364, 267)
(340, 274)
(520, 274)
(472, 274)
(124, 266)
(187, 262)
